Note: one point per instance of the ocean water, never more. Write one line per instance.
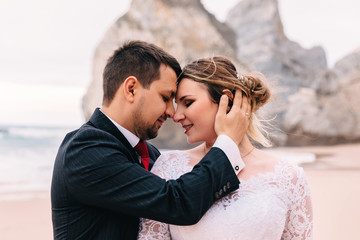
(27, 155)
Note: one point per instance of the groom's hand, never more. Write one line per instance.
(235, 123)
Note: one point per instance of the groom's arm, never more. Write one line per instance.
(105, 178)
(231, 150)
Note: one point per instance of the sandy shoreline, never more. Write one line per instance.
(26, 219)
(333, 178)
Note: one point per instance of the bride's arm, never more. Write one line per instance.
(150, 229)
(299, 223)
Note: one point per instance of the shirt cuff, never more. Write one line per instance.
(231, 150)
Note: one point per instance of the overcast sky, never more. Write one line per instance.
(46, 48)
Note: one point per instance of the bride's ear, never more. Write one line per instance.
(230, 95)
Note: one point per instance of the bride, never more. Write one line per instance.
(273, 201)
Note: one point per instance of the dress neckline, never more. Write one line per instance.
(279, 166)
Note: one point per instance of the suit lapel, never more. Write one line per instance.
(100, 121)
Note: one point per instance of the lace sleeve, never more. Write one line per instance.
(168, 166)
(299, 222)
(150, 229)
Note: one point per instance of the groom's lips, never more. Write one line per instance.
(161, 121)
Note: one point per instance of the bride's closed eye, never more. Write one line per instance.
(187, 103)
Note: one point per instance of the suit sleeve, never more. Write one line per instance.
(99, 173)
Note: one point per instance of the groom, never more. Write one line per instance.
(101, 185)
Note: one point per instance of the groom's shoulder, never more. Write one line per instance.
(88, 132)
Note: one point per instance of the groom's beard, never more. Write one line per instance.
(145, 130)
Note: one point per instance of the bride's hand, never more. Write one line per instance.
(235, 123)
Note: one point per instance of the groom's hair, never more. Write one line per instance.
(135, 58)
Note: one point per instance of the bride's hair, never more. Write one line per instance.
(219, 73)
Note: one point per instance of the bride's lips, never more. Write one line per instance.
(187, 127)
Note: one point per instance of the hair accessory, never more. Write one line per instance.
(241, 78)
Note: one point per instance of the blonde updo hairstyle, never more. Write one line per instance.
(218, 74)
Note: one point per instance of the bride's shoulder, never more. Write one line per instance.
(270, 160)
(289, 171)
(281, 166)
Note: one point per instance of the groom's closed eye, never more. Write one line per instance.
(168, 96)
(165, 98)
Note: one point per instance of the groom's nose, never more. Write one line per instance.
(170, 110)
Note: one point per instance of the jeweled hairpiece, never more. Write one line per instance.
(241, 78)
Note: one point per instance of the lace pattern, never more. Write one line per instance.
(274, 205)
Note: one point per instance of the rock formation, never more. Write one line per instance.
(262, 42)
(312, 104)
(329, 112)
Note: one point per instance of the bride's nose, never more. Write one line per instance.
(178, 116)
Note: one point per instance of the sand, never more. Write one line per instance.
(334, 179)
(28, 219)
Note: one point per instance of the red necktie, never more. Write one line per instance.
(142, 150)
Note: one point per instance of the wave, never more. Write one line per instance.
(31, 132)
(27, 155)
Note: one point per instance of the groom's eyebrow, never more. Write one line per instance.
(172, 94)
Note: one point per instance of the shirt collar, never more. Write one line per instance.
(132, 138)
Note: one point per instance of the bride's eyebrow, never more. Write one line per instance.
(182, 98)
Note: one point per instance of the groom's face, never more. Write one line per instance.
(155, 104)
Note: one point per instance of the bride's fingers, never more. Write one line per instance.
(245, 108)
(223, 105)
(237, 100)
(243, 103)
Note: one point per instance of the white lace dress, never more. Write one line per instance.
(274, 205)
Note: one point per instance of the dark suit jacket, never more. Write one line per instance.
(99, 190)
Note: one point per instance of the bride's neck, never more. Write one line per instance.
(245, 146)
(206, 146)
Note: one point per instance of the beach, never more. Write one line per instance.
(333, 177)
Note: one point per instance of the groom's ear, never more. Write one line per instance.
(130, 88)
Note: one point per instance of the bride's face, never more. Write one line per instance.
(195, 111)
